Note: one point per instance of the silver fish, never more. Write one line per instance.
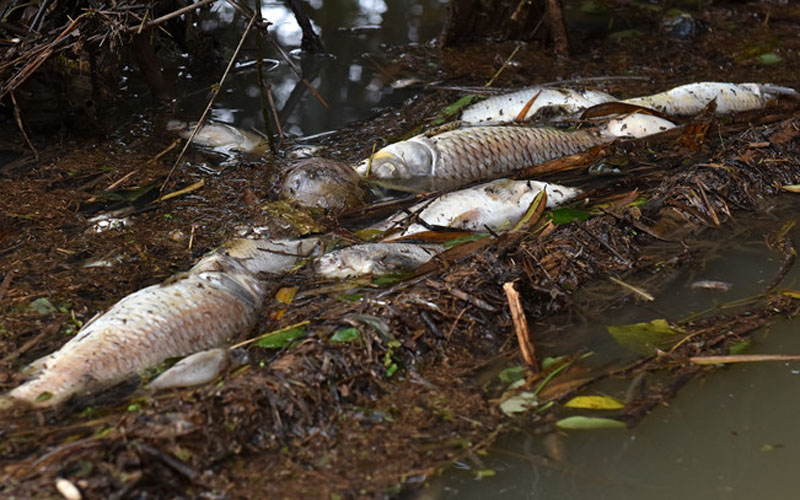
(262, 256)
(636, 125)
(196, 311)
(220, 136)
(507, 107)
(498, 205)
(374, 258)
(464, 155)
(690, 99)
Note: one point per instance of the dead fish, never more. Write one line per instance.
(322, 183)
(720, 286)
(691, 99)
(460, 156)
(378, 259)
(220, 136)
(199, 368)
(507, 107)
(498, 205)
(261, 256)
(637, 125)
(195, 311)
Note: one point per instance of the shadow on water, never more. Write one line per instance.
(727, 435)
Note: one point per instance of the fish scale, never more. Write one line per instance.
(481, 152)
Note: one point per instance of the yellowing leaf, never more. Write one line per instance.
(792, 294)
(792, 188)
(286, 294)
(595, 403)
(579, 423)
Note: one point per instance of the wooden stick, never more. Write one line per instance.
(526, 345)
(215, 93)
(18, 118)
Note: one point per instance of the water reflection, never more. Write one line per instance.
(347, 77)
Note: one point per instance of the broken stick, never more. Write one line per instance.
(521, 327)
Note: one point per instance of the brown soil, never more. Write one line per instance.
(323, 419)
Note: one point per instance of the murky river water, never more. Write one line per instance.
(727, 435)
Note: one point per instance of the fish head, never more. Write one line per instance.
(402, 160)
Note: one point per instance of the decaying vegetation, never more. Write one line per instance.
(364, 388)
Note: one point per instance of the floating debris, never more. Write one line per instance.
(108, 222)
(719, 286)
(496, 205)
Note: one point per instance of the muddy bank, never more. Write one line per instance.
(412, 387)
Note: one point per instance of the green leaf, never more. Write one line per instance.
(565, 215)
(465, 239)
(578, 423)
(345, 335)
(42, 306)
(512, 374)
(44, 396)
(281, 338)
(482, 473)
(595, 403)
(392, 368)
(351, 297)
(770, 58)
(455, 107)
(645, 338)
(550, 362)
(390, 279)
(519, 403)
(740, 347)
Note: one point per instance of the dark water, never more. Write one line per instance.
(349, 76)
(730, 434)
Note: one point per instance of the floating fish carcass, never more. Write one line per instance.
(496, 205)
(685, 100)
(377, 259)
(195, 311)
(220, 136)
(507, 107)
(691, 99)
(460, 156)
